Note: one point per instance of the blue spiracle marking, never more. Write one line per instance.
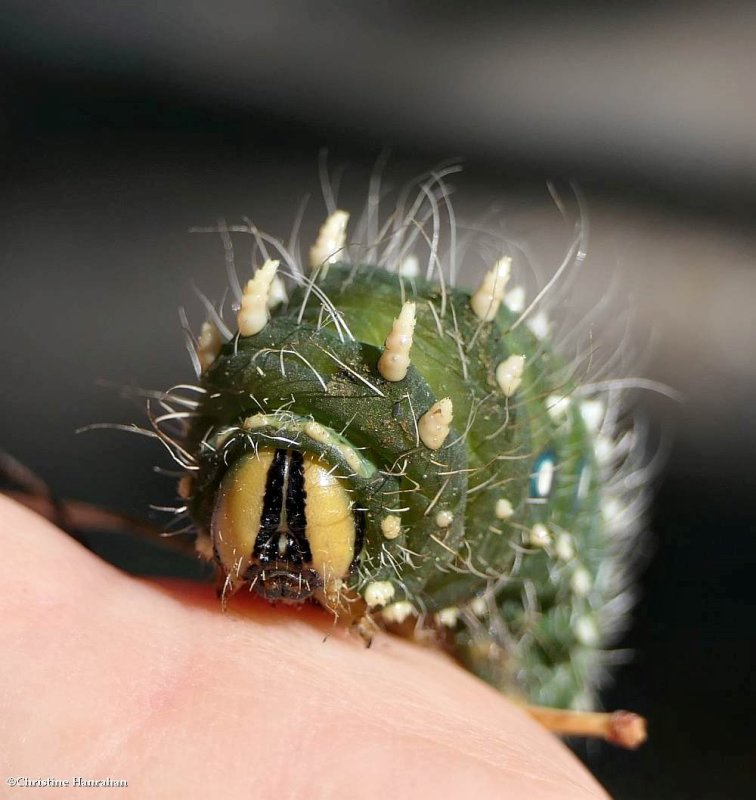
(542, 476)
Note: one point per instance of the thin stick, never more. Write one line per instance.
(622, 728)
(85, 518)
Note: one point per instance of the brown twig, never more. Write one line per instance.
(82, 518)
(622, 728)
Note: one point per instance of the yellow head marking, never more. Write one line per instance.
(331, 530)
(238, 511)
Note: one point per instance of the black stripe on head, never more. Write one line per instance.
(272, 502)
(271, 514)
(359, 536)
(296, 502)
(296, 495)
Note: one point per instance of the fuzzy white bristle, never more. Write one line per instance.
(203, 544)
(444, 519)
(391, 526)
(379, 593)
(558, 407)
(448, 617)
(479, 606)
(277, 294)
(603, 447)
(514, 299)
(398, 612)
(592, 412)
(539, 535)
(581, 582)
(209, 343)
(509, 374)
(395, 359)
(329, 246)
(410, 267)
(253, 311)
(586, 631)
(487, 298)
(539, 325)
(435, 424)
(564, 547)
(503, 509)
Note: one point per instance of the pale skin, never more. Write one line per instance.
(106, 675)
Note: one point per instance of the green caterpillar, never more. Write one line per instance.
(408, 453)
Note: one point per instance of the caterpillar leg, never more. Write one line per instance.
(622, 728)
(349, 608)
(366, 628)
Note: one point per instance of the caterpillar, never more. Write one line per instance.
(410, 454)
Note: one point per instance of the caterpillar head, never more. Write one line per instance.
(284, 525)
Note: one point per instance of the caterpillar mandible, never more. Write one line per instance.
(410, 454)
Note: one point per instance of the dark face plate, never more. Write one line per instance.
(282, 552)
(282, 582)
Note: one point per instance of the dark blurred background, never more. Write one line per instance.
(123, 124)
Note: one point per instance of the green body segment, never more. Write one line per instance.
(534, 636)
